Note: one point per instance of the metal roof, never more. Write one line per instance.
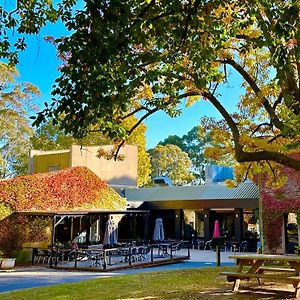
(245, 191)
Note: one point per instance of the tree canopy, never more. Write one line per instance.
(138, 57)
(171, 161)
(15, 130)
(193, 144)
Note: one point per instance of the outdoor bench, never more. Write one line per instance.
(258, 270)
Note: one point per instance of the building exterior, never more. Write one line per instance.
(120, 172)
(192, 210)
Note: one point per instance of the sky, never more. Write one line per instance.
(38, 65)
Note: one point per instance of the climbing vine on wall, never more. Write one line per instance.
(280, 201)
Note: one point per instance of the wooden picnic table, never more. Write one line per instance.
(256, 268)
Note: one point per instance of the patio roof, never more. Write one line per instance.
(203, 196)
(81, 213)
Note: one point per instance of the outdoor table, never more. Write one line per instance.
(257, 269)
(164, 248)
(96, 255)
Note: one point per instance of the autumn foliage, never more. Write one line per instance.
(277, 202)
(69, 189)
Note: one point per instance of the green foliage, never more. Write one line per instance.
(171, 161)
(138, 57)
(16, 230)
(193, 144)
(15, 130)
(27, 17)
(5, 211)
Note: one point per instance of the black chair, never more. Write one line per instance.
(228, 245)
(244, 246)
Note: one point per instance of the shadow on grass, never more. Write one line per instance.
(247, 291)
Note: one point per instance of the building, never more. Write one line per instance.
(120, 172)
(192, 210)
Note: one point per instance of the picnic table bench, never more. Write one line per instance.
(257, 269)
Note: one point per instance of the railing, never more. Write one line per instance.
(118, 257)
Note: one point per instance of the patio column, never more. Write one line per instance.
(238, 224)
(178, 226)
(207, 230)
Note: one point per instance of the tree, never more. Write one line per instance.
(27, 17)
(193, 145)
(138, 57)
(15, 130)
(171, 161)
(173, 140)
(138, 138)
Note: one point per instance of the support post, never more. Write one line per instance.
(261, 229)
(218, 254)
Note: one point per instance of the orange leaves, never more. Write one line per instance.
(68, 189)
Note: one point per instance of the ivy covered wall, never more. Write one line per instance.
(71, 189)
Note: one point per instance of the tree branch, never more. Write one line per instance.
(279, 124)
(240, 154)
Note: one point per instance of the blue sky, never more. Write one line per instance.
(38, 65)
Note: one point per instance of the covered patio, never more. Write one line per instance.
(79, 241)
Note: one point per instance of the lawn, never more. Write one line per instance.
(179, 284)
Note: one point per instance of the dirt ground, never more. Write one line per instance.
(249, 290)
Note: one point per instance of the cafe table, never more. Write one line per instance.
(265, 266)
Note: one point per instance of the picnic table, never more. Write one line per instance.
(253, 266)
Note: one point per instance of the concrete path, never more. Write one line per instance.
(36, 277)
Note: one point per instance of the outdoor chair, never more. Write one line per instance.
(228, 245)
(42, 256)
(95, 257)
(208, 245)
(176, 247)
(244, 246)
(141, 253)
(134, 254)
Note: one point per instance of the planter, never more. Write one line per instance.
(7, 263)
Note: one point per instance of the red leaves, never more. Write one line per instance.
(68, 189)
(276, 202)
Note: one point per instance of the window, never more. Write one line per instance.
(53, 168)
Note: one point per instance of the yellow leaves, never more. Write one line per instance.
(230, 183)
(191, 100)
(213, 153)
(145, 92)
(220, 136)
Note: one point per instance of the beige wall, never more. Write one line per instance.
(113, 172)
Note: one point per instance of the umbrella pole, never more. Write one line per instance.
(218, 255)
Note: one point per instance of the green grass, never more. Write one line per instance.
(191, 284)
(181, 284)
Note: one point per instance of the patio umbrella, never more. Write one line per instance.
(158, 234)
(110, 235)
(216, 230)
